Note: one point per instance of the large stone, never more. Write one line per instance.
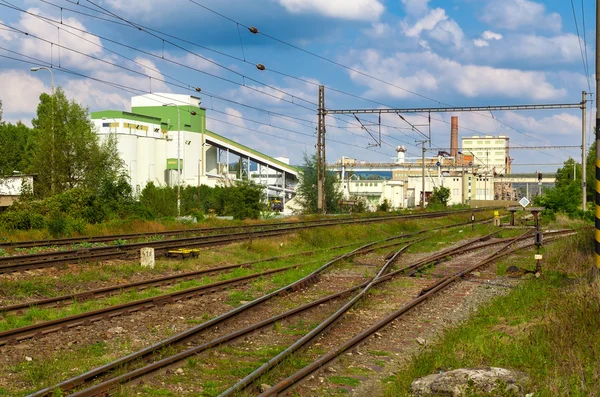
(457, 382)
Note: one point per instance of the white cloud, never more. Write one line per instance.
(438, 26)
(358, 10)
(415, 7)
(486, 37)
(95, 95)
(435, 75)
(540, 50)
(68, 38)
(556, 124)
(517, 14)
(379, 30)
(20, 91)
(6, 34)
(480, 43)
(489, 35)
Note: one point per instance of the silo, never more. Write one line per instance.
(128, 149)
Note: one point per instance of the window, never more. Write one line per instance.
(487, 142)
(479, 142)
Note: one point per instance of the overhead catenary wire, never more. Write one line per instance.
(233, 57)
(137, 91)
(181, 85)
(349, 94)
(136, 25)
(50, 21)
(579, 40)
(354, 70)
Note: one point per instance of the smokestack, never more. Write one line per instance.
(454, 137)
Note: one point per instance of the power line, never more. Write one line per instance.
(307, 81)
(585, 65)
(138, 91)
(231, 56)
(254, 30)
(155, 56)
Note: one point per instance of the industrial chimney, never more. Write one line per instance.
(454, 137)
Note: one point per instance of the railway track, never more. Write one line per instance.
(201, 231)
(41, 329)
(18, 263)
(426, 293)
(106, 385)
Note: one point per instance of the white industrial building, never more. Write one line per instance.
(164, 140)
(476, 173)
(490, 153)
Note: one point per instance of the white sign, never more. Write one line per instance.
(147, 257)
(524, 202)
(539, 257)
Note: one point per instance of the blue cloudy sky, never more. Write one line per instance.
(397, 53)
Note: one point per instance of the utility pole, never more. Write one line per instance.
(321, 164)
(583, 149)
(597, 233)
(423, 150)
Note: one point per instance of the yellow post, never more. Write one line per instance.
(496, 218)
(597, 243)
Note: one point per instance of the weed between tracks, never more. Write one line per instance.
(547, 327)
(21, 377)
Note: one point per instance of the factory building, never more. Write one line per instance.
(474, 173)
(164, 140)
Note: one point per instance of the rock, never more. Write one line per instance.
(331, 369)
(421, 341)
(264, 387)
(115, 330)
(476, 274)
(466, 381)
(27, 358)
(179, 371)
(377, 334)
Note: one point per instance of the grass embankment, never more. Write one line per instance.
(547, 327)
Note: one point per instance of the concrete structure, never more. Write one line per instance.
(157, 138)
(490, 153)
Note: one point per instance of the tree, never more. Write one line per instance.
(307, 187)
(568, 174)
(440, 196)
(590, 171)
(566, 194)
(16, 143)
(68, 153)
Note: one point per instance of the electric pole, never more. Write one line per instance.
(597, 233)
(423, 150)
(321, 164)
(583, 148)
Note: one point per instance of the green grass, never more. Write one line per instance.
(344, 381)
(546, 327)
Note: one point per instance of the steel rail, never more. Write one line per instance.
(191, 332)
(323, 326)
(160, 281)
(129, 236)
(103, 387)
(73, 382)
(27, 262)
(38, 330)
(438, 286)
